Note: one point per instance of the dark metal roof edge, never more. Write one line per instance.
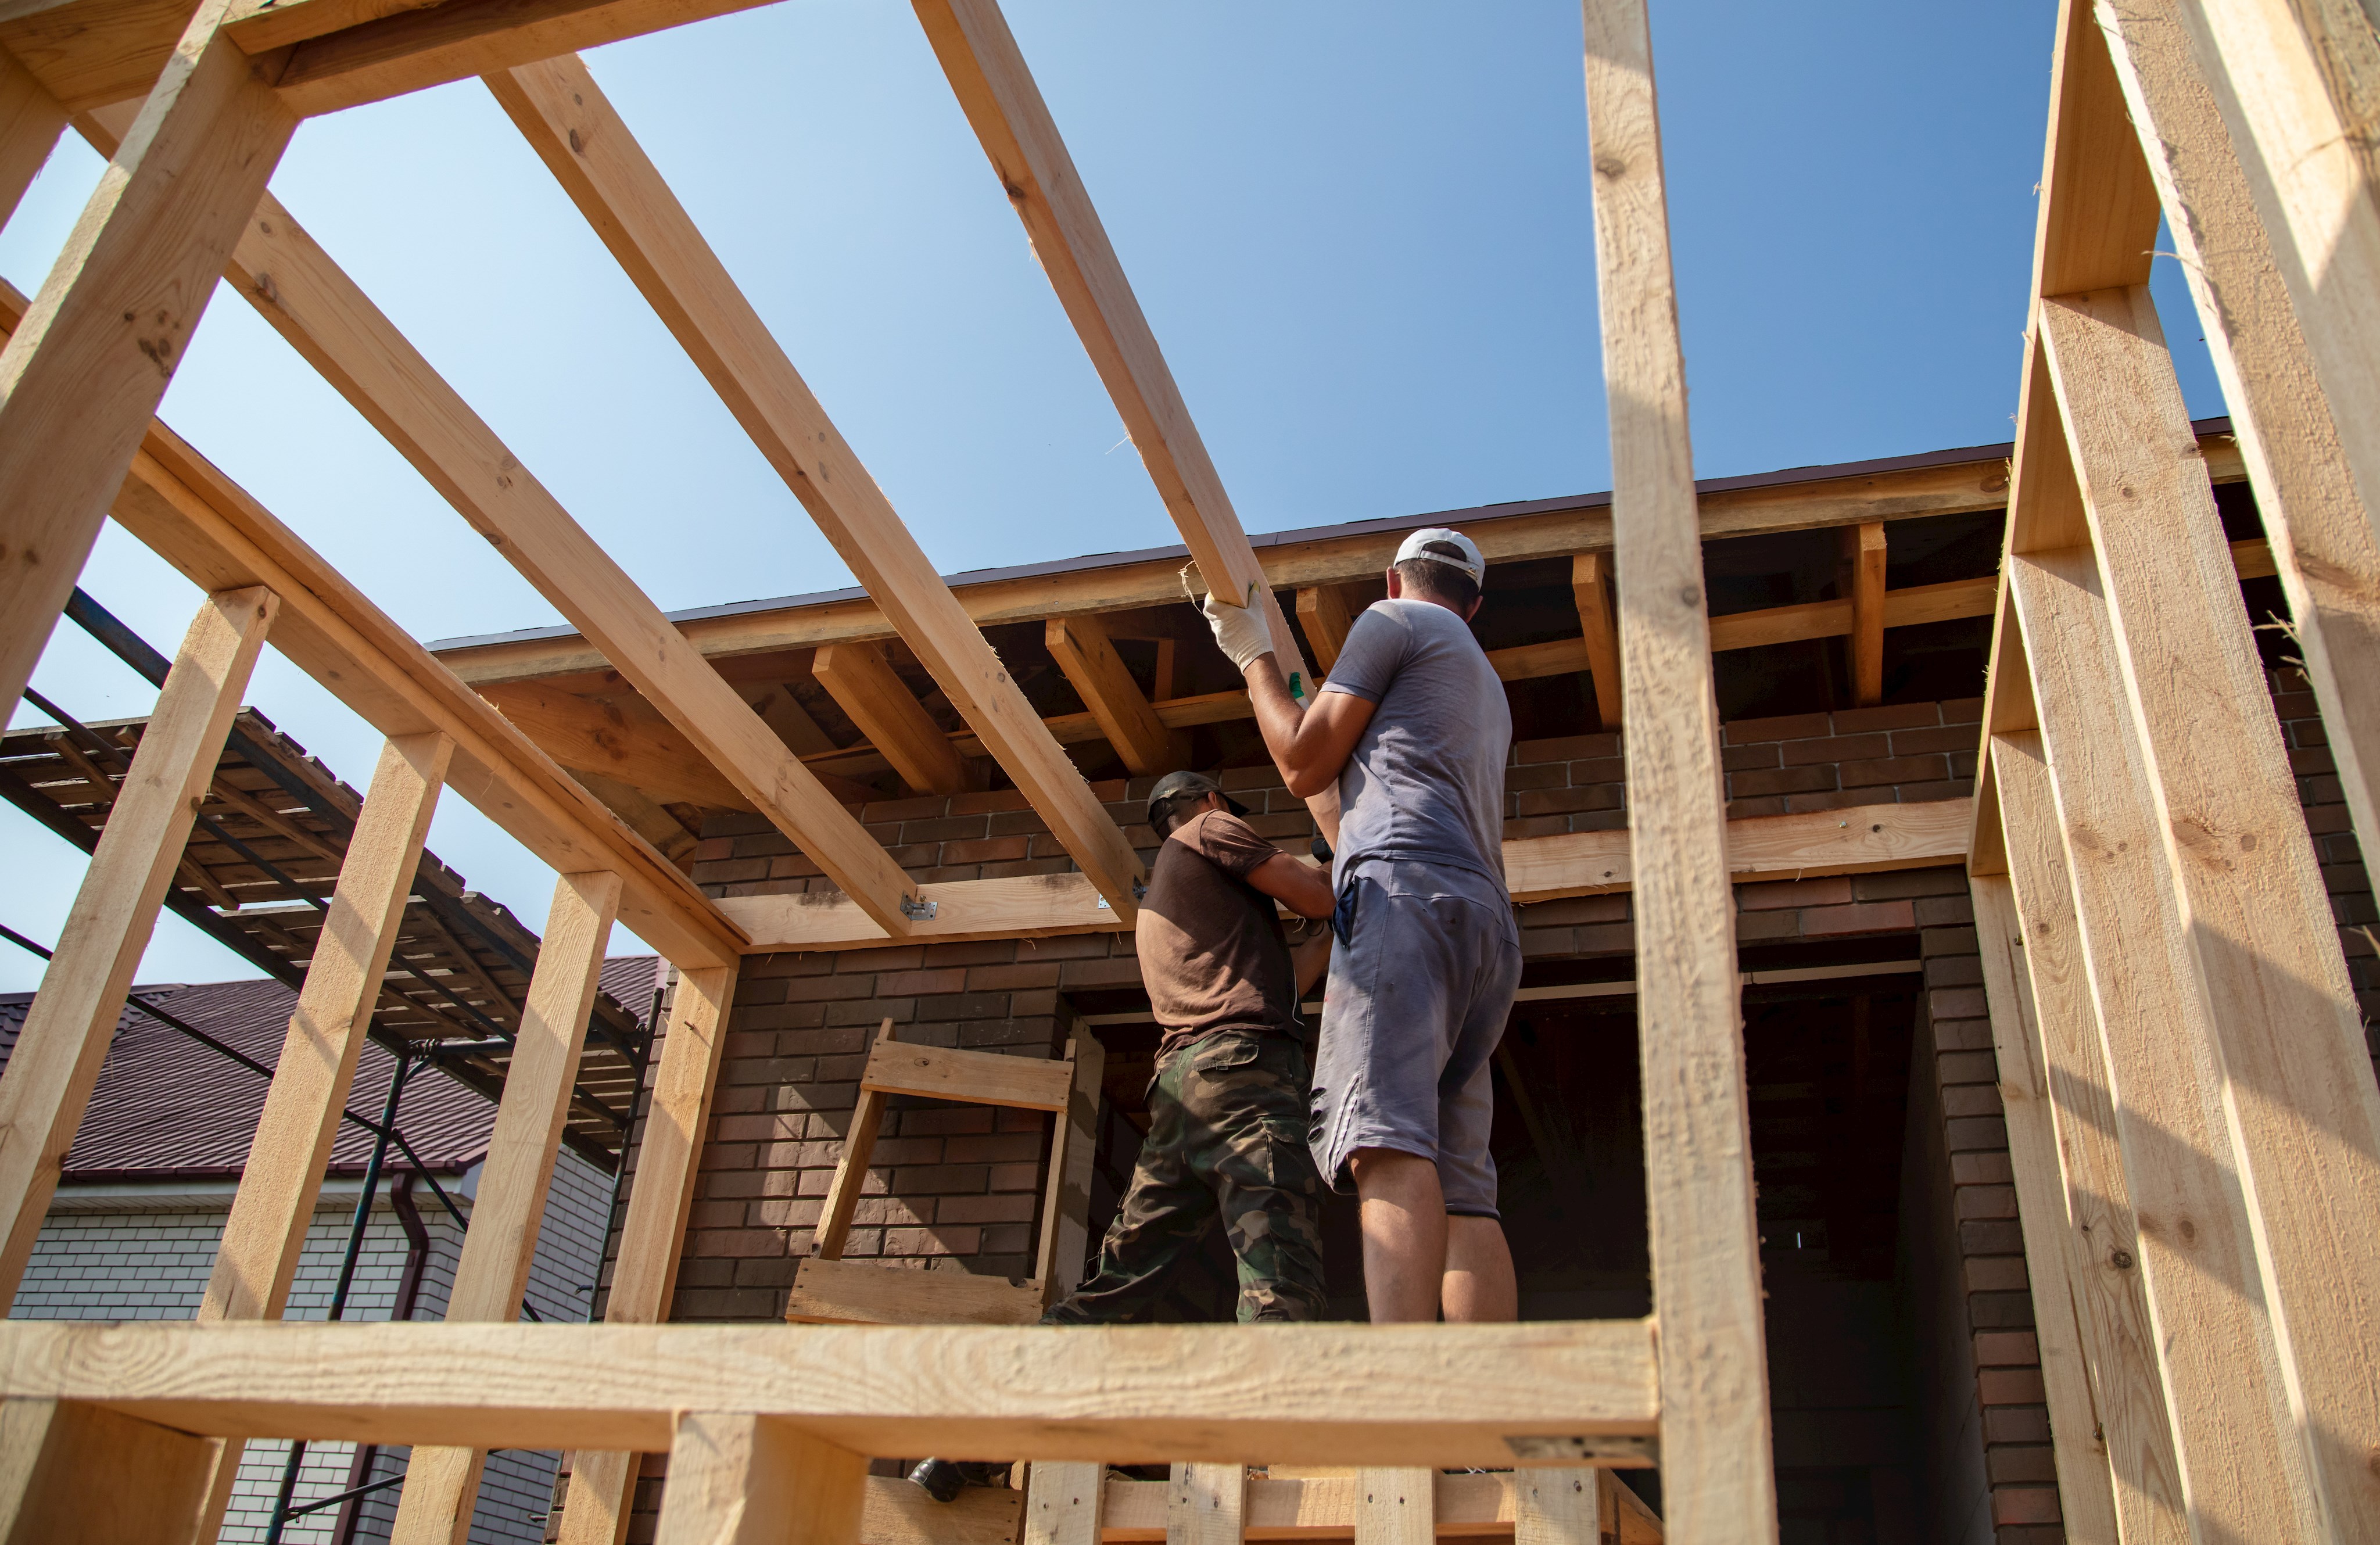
(1782, 478)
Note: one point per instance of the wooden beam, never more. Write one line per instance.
(1206, 1504)
(862, 683)
(652, 1237)
(1716, 1477)
(851, 1167)
(76, 1472)
(2215, 1353)
(2304, 1112)
(620, 736)
(896, 1512)
(1396, 1506)
(1125, 716)
(2052, 1056)
(1326, 614)
(72, 1019)
(84, 369)
(583, 142)
(1316, 1394)
(442, 1482)
(738, 1480)
(1312, 1503)
(1063, 1503)
(88, 54)
(1558, 1506)
(30, 121)
(1864, 555)
(1073, 1158)
(2324, 546)
(1590, 588)
(836, 1292)
(670, 837)
(976, 1077)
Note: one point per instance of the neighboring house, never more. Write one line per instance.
(132, 1232)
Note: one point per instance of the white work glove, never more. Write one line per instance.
(1240, 631)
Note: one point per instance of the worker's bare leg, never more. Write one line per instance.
(1479, 1280)
(1404, 1227)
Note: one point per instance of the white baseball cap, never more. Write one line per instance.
(1430, 542)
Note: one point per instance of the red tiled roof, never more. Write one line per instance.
(169, 1108)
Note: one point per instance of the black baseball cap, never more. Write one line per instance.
(1184, 784)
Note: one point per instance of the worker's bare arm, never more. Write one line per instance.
(1309, 960)
(1310, 745)
(1300, 887)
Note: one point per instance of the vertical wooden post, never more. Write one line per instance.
(71, 1473)
(1863, 557)
(443, 1484)
(1590, 589)
(602, 1484)
(67, 1031)
(1716, 1472)
(1396, 1506)
(30, 121)
(1073, 1153)
(851, 1170)
(1063, 1501)
(81, 376)
(739, 1479)
(1557, 1506)
(1206, 1504)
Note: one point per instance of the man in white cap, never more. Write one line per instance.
(1414, 728)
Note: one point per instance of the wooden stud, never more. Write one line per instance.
(2302, 1108)
(652, 1237)
(620, 736)
(1717, 1461)
(1396, 1506)
(84, 370)
(1326, 617)
(72, 1019)
(72, 1473)
(1063, 1500)
(30, 121)
(896, 1512)
(573, 127)
(1865, 556)
(1558, 1505)
(442, 1482)
(1206, 1504)
(739, 1479)
(1072, 1160)
(782, 713)
(2324, 546)
(851, 1170)
(976, 1077)
(862, 683)
(1590, 588)
(1125, 716)
(858, 1293)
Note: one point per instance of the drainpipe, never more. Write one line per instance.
(408, 1293)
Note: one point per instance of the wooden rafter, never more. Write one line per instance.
(1590, 585)
(1121, 709)
(862, 683)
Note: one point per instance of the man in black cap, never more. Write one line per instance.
(1228, 1108)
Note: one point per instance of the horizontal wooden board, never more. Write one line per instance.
(1323, 1506)
(893, 1512)
(976, 1077)
(1039, 905)
(854, 1293)
(1313, 1394)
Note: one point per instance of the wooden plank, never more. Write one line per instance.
(893, 1512)
(1073, 1158)
(1396, 1506)
(1314, 1393)
(862, 683)
(30, 121)
(1590, 588)
(1320, 1502)
(2325, 549)
(835, 1292)
(1062, 1131)
(1558, 1506)
(620, 736)
(652, 1237)
(73, 1473)
(738, 1480)
(2215, 1351)
(1206, 1504)
(1865, 554)
(443, 1482)
(83, 371)
(1716, 1479)
(72, 1021)
(89, 54)
(2097, 207)
(2093, 1246)
(567, 120)
(977, 1077)
(1063, 1502)
(1326, 614)
(2304, 1113)
(851, 1167)
(1125, 716)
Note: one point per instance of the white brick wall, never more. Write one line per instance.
(122, 1253)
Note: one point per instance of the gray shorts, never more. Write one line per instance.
(1421, 982)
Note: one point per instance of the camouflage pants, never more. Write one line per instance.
(1227, 1136)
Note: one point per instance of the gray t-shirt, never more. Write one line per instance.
(1425, 782)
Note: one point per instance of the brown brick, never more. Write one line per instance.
(1007, 979)
(1016, 1177)
(1967, 1067)
(1893, 769)
(1891, 885)
(2007, 1349)
(1969, 1132)
(1783, 779)
(935, 1241)
(1575, 748)
(1791, 726)
(1746, 759)
(1972, 1099)
(1837, 747)
(1981, 1169)
(1960, 1004)
(1890, 717)
(1942, 740)
(1859, 917)
(1990, 1236)
(1576, 910)
(2028, 1463)
(1945, 911)
(1764, 895)
(1102, 973)
(1983, 1201)
(2016, 1424)
(1963, 711)
(2024, 1505)
(1012, 1207)
(1997, 1273)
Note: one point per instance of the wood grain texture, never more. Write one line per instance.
(1716, 1463)
(977, 1077)
(71, 1474)
(2235, 1444)
(2097, 210)
(736, 1479)
(1066, 1208)
(862, 683)
(91, 53)
(72, 1021)
(2303, 1110)
(669, 1155)
(620, 736)
(583, 142)
(2092, 1246)
(1590, 586)
(1558, 1506)
(829, 1291)
(443, 1482)
(83, 371)
(1326, 614)
(1320, 1503)
(1125, 716)
(895, 1513)
(30, 121)
(1864, 556)
(1062, 1501)
(1396, 1506)
(1206, 1504)
(851, 1167)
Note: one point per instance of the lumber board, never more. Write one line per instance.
(83, 370)
(1125, 716)
(1063, 1503)
(837, 1292)
(1866, 556)
(2094, 1245)
(2303, 1110)
(2096, 219)
(72, 1021)
(1396, 1506)
(1558, 1507)
(862, 683)
(851, 1166)
(583, 142)
(71, 1472)
(1066, 1209)
(1323, 1506)
(1206, 1504)
(30, 121)
(1316, 1393)
(1590, 586)
(893, 1512)
(2214, 1347)
(1716, 1460)
(740, 1479)
(652, 1237)
(2324, 548)
(976, 1077)
(620, 736)
(89, 54)
(1324, 612)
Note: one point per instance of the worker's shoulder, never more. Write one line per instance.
(1220, 836)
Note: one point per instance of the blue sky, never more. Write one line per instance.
(1361, 232)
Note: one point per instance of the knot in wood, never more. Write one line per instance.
(1608, 165)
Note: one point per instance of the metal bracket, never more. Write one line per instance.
(917, 910)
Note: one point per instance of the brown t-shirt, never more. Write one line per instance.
(1212, 952)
